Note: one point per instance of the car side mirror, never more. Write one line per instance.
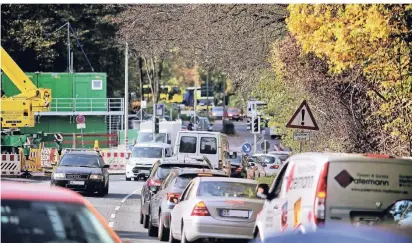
(106, 166)
(173, 201)
(252, 164)
(262, 191)
(153, 189)
(169, 141)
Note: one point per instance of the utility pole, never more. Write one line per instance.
(140, 64)
(126, 94)
(68, 47)
(195, 98)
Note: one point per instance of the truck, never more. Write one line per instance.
(167, 132)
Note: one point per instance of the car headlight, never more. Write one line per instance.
(59, 175)
(96, 177)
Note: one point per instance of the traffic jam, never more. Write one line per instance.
(199, 190)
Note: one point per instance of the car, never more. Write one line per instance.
(324, 187)
(217, 112)
(254, 168)
(37, 213)
(82, 171)
(233, 113)
(143, 157)
(271, 163)
(172, 186)
(159, 172)
(215, 208)
(282, 155)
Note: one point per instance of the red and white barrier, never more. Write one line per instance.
(116, 159)
(10, 164)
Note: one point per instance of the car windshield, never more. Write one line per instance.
(32, 222)
(147, 152)
(217, 109)
(147, 137)
(282, 157)
(226, 189)
(84, 160)
(268, 159)
(233, 110)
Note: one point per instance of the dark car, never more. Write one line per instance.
(173, 186)
(158, 173)
(82, 172)
(234, 114)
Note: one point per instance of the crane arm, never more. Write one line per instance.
(40, 97)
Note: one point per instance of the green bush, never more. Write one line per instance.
(185, 117)
(228, 128)
(266, 180)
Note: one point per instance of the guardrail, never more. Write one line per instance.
(99, 106)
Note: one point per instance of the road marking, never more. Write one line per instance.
(126, 197)
(117, 208)
(111, 224)
(113, 216)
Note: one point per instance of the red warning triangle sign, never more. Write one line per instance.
(303, 118)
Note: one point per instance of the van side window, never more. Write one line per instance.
(188, 144)
(208, 146)
(277, 184)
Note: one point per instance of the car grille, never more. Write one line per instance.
(77, 176)
(139, 168)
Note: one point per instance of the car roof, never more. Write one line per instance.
(331, 157)
(227, 179)
(152, 145)
(82, 153)
(184, 170)
(33, 192)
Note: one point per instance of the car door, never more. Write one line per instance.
(275, 210)
(146, 193)
(177, 212)
(157, 199)
(105, 171)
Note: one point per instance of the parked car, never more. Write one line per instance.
(233, 113)
(82, 171)
(270, 162)
(172, 186)
(215, 207)
(35, 213)
(158, 173)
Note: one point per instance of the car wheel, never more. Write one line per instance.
(136, 179)
(101, 192)
(257, 237)
(184, 240)
(171, 239)
(152, 230)
(106, 189)
(162, 232)
(128, 179)
(145, 221)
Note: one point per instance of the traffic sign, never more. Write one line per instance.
(160, 109)
(246, 148)
(303, 118)
(265, 145)
(143, 104)
(80, 119)
(301, 136)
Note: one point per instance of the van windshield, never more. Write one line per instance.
(147, 137)
(147, 152)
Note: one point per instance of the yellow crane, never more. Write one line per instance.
(19, 110)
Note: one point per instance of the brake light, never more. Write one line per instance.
(274, 167)
(200, 210)
(319, 208)
(239, 169)
(170, 195)
(153, 182)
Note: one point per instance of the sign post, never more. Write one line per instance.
(81, 124)
(265, 145)
(302, 119)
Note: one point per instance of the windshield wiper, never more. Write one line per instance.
(87, 166)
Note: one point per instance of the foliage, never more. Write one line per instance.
(26, 31)
(266, 180)
(375, 40)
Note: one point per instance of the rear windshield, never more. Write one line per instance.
(147, 152)
(165, 169)
(85, 160)
(30, 221)
(188, 144)
(217, 108)
(183, 180)
(226, 189)
(269, 159)
(236, 161)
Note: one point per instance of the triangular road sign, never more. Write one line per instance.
(303, 118)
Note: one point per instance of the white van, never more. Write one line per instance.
(213, 145)
(317, 188)
(143, 157)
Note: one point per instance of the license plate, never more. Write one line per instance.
(235, 213)
(143, 172)
(76, 182)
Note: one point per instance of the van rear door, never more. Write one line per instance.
(187, 144)
(209, 146)
(358, 191)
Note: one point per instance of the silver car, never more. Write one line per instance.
(173, 186)
(215, 208)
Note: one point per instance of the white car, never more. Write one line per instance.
(143, 157)
(270, 162)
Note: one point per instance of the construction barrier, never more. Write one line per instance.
(10, 164)
(116, 159)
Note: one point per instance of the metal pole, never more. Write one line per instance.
(82, 139)
(126, 94)
(71, 69)
(300, 147)
(141, 88)
(254, 143)
(153, 120)
(207, 91)
(74, 140)
(195, 99)
(68, 47)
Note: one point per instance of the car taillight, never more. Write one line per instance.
(319, 208)
(170, 195)
(239, 169)
(200, 210)
(153, 182)
(274, 167)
